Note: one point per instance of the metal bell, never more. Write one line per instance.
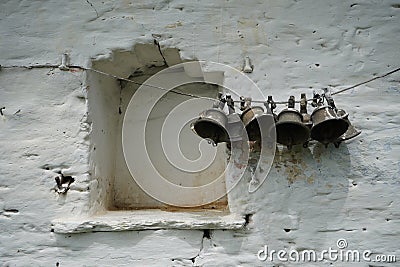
(328, 126)
(351, 130)
(290, 129)
(253, 118)
(212, 124)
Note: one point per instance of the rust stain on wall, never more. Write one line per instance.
(293, 166)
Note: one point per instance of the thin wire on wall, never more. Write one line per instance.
(237, 101)
(196, 96)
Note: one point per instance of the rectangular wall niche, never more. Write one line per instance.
(126, 193)
(117, 202)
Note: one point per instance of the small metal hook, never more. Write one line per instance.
(248, 68)
(64, 62)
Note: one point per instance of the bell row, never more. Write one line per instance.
(326, 124)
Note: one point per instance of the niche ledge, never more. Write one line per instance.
(115, 221)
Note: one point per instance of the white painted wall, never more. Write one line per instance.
(319, 194)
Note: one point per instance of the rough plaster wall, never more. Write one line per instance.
(317, 195)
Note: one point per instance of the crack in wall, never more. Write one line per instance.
(159, 50)
(121, 86)
(95, 10)
(207, 235)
